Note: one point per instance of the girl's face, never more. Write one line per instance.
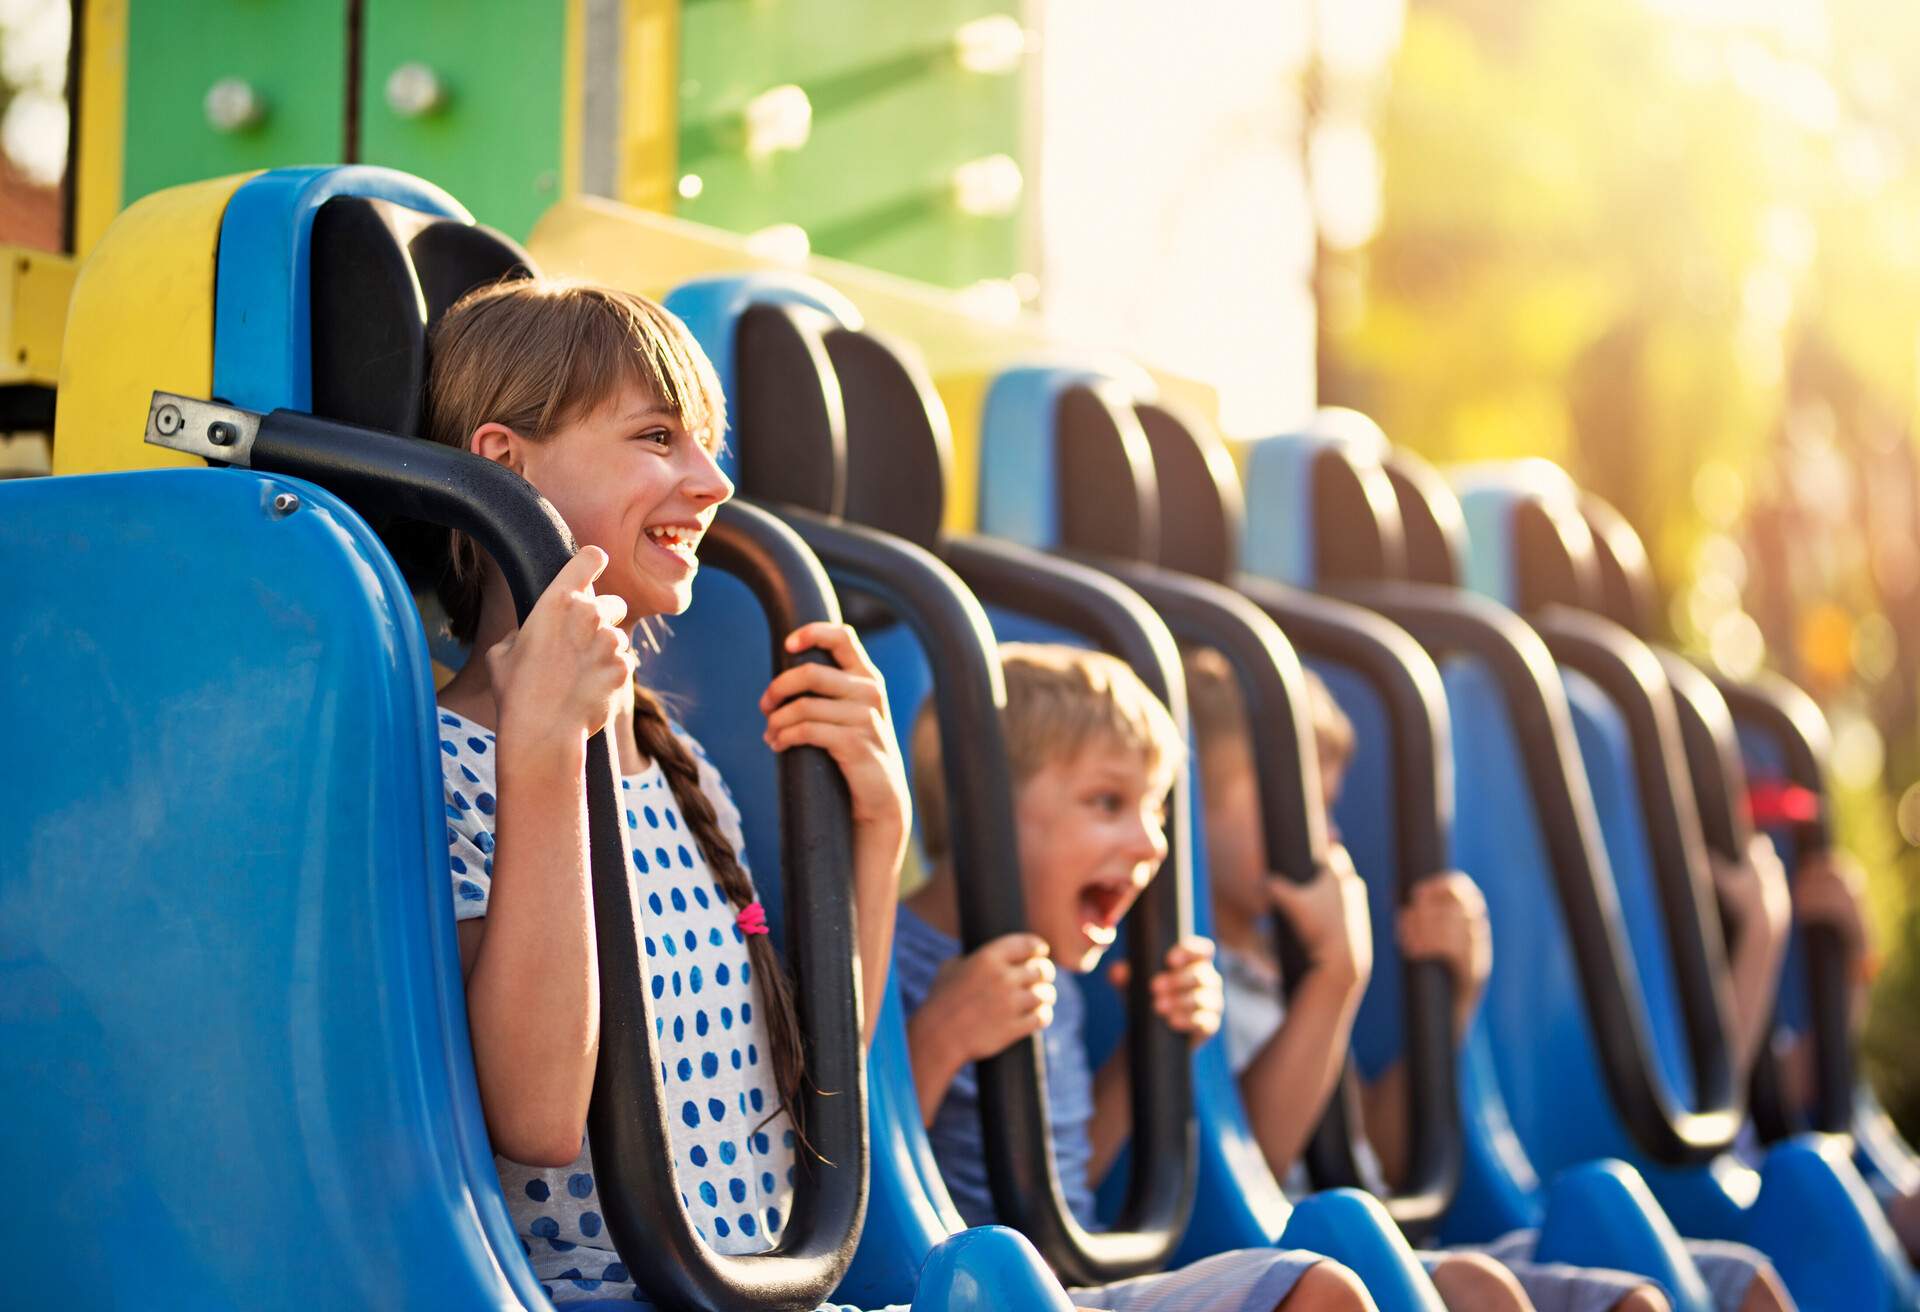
(632, 480)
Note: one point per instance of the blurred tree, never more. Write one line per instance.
(1675, 246)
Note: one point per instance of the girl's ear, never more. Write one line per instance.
(500, 444)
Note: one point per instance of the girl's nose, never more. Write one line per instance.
(706, 482)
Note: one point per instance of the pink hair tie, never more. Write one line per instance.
(752, 919)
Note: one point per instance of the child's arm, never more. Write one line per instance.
(1190, 995)
(979, 1004)
(1755, 893)
(533, 993)
(1829, 891)
(842, 708)
(1287, 1083)
(1446, 921)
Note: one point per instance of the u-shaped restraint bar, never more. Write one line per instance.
(1118, 513)
(1201, 508)
(841, 430)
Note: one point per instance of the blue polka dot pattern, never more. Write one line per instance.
(698, 974)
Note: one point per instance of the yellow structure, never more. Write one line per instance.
(140, 319)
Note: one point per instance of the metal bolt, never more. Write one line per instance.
(168, 420)
(233, 105)
(286, 503)
(414, 90)
(222, 433)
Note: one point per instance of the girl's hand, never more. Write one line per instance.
(1188, 992)
(1446, 920)
(842, 709)
(562, 675)
(1829, 889)
(983, 1002)
(1329, 914)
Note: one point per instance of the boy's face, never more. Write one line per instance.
(1092, 833)
(1236, 847)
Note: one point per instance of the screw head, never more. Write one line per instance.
(233, 105)
(286, 503)
(222, 433)
(168, 420)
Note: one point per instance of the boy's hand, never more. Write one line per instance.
(842, 708)
(1829, 889)
(1189, 992)
(983, 1002)
(1329, 915)
(1446, 920)
(564, 672)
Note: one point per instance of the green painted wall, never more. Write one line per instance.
(892, 115)
(293, 52)
(496, 143)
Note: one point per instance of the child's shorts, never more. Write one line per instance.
(1245, 1280)
(1729, 1270)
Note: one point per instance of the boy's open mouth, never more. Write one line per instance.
(1101, 906)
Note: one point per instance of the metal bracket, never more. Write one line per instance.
(202, 428)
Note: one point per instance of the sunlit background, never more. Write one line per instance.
(1671, 244)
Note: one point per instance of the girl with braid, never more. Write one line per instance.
(604, 403)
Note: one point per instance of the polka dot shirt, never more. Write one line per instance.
(735, 1166)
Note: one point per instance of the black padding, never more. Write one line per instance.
(1202, 507)
(1107, 500)
(1553, 557)
(788, 420)
(899, 446)
(1431, 518)
(382, 275)
(1356, 520)
(1626, 593)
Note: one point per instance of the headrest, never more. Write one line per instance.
(787, 424)
(1064, 463)
(712, 309)
(1320, 507)
(1530, 547)
(383, 274)
(267, 288)
(1431, 518)
(899, 445)
(1627, 594)
(1202, 510)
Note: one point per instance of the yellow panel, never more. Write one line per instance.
(963, 395)
(573, 97)
(141, 318)
(101, 139)
(34, 287)
(649, 104)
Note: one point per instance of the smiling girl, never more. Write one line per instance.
(605, 404)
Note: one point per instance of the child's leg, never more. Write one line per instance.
(1474, 1282)
(1741, 1278)
(1245, 1280)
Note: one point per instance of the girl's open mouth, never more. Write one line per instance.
(677, 541)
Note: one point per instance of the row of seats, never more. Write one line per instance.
(239, 1017)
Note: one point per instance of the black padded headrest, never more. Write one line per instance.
(788, 418)
(1202, 505)
(899, 445)
(1356, 519)
(1554, 561)
(1109, 504)
(1430, 516)
(1627, 595)
(382, 275)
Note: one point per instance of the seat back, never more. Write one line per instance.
(229, 952)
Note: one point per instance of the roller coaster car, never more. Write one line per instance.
(230, 995)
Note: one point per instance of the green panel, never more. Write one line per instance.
(496, 142)
(292, 52)
(892, 115)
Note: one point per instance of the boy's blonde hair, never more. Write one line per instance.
(1220, 713)
(537, 354)
(1060, 700)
